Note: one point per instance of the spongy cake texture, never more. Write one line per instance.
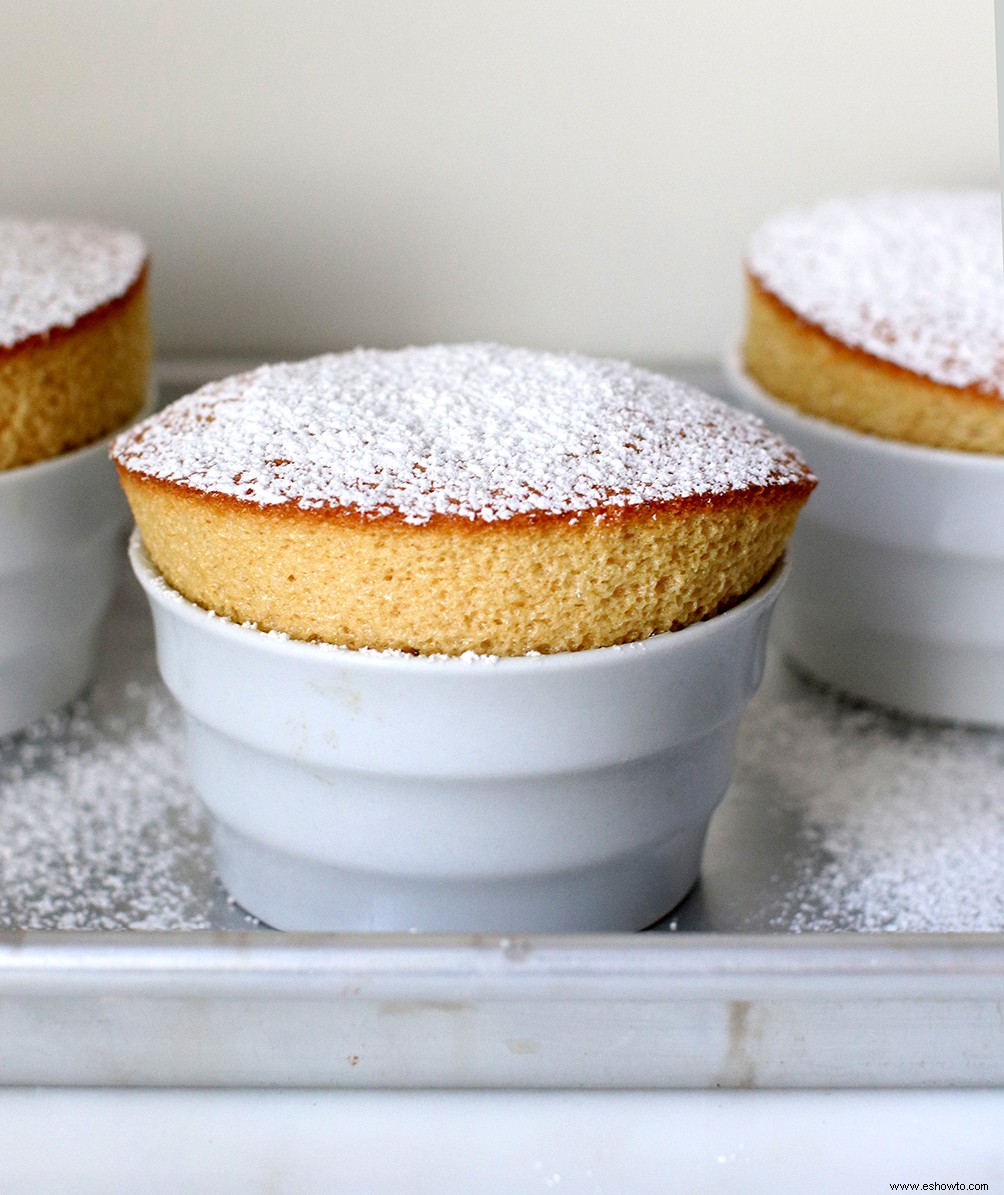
(74, 336)
(460, 498)
(885, 314)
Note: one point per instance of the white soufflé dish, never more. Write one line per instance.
(897, 568)
(463, 633)
(61, 527)
(361, 790)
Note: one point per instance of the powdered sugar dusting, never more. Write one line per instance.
(477, 431)
(52, 273)
(914, 278)
(99, 828)
(902, 822)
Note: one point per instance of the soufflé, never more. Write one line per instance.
(74, 336)
(461, 498)
(883, 314)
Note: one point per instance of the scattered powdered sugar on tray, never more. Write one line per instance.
(52, 273)
(98, 826)
(476, 431)
(914, 278)
(902, 823)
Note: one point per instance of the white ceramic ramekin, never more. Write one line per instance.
(897, 585)
(356, 790)
(61, 522)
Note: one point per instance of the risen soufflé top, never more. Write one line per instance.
(476, 431)
(54, 272)
(914, 278)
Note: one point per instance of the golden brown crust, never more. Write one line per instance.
(799, 363)
(547, 584)
(65, 388)
(780, 494)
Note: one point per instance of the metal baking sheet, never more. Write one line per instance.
(846, 930)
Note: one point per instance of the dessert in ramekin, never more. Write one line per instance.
(875, 343)
(489, 619)
(74, 367)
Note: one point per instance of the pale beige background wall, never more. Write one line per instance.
(566, 173)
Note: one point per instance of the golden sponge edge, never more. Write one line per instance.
(73, 386)
(802, 365)
(553, 584)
